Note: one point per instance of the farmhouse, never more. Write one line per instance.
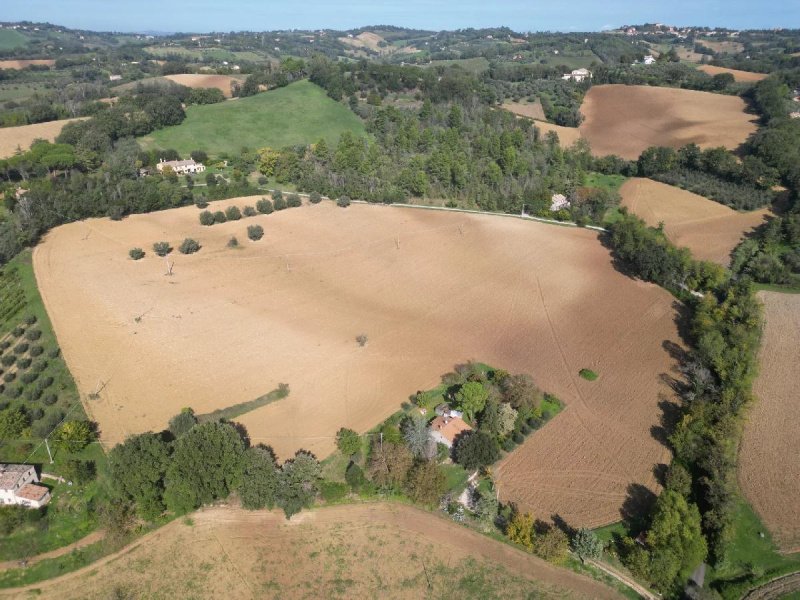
(577, 75)
(444, 410)
(445, 430)
(18, 485)
(181, 167)
(649, 59)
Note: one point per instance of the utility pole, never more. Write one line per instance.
(50, 454)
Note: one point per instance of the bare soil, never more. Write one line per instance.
(430, 289)
(12, 138)
(21, 64)
(626, 119)
(745, 76)
(769, 465)
(532, 110)
(366, 39)
(221, 82)
(339, 552)
(709, 229)
(722, 46)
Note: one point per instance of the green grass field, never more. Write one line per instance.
(473, 65)
(300, 113)
(11, 38)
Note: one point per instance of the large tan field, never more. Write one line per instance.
(429, 288)
(745, 76)
(13, 138)
(626, 119)
(769, 470)
(221, 82)
(363, 551)
(21, 64)
(709, 229)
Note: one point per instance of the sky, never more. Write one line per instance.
(519, 15)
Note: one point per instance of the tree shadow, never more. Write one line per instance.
(683, 321)
(660, 473)
(637, 507)
(560, 523)
(670, 415)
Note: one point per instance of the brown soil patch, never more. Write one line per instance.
(229, 325)
(626, 119)
(722, 46)
(709, 229)
(21, 64)
(532, 110)
(367, 39)
(769, 470)
(566, 135)
(745, 76)
(355, 551)
(221, 82)
(12, 138)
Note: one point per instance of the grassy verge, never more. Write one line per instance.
(773, 287)
(237, 410)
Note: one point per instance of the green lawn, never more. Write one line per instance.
(612, 183)
(473, 65)
(11, 38)
(300, 113)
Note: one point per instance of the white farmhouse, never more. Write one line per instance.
(18, 485)
(181, 167)
(649, 59)
(577, 75)
(445, 430)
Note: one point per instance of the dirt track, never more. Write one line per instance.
(23, 136)
(345, 551)
(769, 466)
(709, 229)
(429, 289)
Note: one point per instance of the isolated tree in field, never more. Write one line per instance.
(136, 253)
(259, 486)
(255, 232)
(476, 449)
(13, 423)
(162, 248)
(389, 463)
(232, 213)
(520, 530)
(189, 246)
(426, 482)
(206, 218)
(298, 483)
(74, 436)
(417, 436)
(348, 441)
(206, 465)
(586, 544)
(471, 398)
(264, 206)
(136, 469)
(182, 422)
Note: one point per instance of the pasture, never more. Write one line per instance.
(21, 137)
(430, 289)
(709, 229)
(11, 39)
(743, 76)
(300, 113)
(626, 119)
(769, 470)
(333, 552)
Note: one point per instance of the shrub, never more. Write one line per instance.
(162, 248)
(524, 429)
(508, 445)
(232, 213)
(50, 399)
(207, 218)
(21, 348)
(54, 352)
(354, 476)
(331, 491)
(45, 383)
(14, 392)
(5, 345)
(17, 331)
(362, 339)
(201, 203)
(219, 217)
(262, 180)
(255, 232)
(518, 437)
(233, 242)
(189, 246)
(277, 195)
(588, 374)
(315, 197)
(249, 211)
(293, 201)
(552, 546)
(36, 351)
(8, 360)
(278, 203)
(136, 253)
(343, 202)
(40, 365)
(9, 377)
(264, 206)
(45, 426)
(33, 334)
(30, 319)
(35, 414)
(29, 377)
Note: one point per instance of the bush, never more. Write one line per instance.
(508, 445)
(293, 201)
(21, 348)
(262, 180)
(40, 365)
(24, 363)
(28, 377)
(37, 351)
(255, 232)
(54, 352)
(45, 383)
(249, 211)
(518, 437)
(331, 491)
(588, 374)
(45, 426)
(219, 217)
(362, 339)
(162, 248)
(278, 203)
(264, 206)
(315, 197)
(35, 414)
(207, 218)
(50, 399)
(201, 203)
(189, 246)
(9, 377)
(232, 213)
(5, 345)
(277, 195)
(17, 331)
(136, 253)
(14, 392)
(233, 242)
(343, 202)
(33, 334)
(8, 360)
(30, 319)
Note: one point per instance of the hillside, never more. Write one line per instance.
(300, 113)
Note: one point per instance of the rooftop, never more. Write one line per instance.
(449, 427)
(10, 474)
(31, 491)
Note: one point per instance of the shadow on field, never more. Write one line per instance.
(636, 507)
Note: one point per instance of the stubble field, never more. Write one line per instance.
(709, 229)
(745, 76)
(22, 63)
(769, 470)
(23, 136)
(430, 289)
(221, 82)
(336, 552)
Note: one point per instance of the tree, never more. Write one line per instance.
(298, 483)
(507, 417)
(521, 392)
(426, 482)
(343, 202)
(471, 398)
(348, 441)
(476, 449)
(206, 218)
(162, 248)
(264, 206)
(211, 179)
(586, 544)
(74, 436)
(232, 213)
(137, 468)
(417, 436)
(13, 423)
(136, 253)
(389, 463)
(255, 232)
(520, 530)
(486, 508)
(552, 545)
(189, 246)
(182, 422)
(259, 486)
(354, 476)
(206, 465)
(199, 156)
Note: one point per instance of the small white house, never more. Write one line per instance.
(181, 167)
(18, 485)
(577, 75)
(649, 59)
(114, 77)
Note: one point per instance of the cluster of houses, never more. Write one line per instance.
(181, 167)
(19, 484)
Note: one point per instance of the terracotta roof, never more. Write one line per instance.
(31, 491)
(449, 427)
(10, 475)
